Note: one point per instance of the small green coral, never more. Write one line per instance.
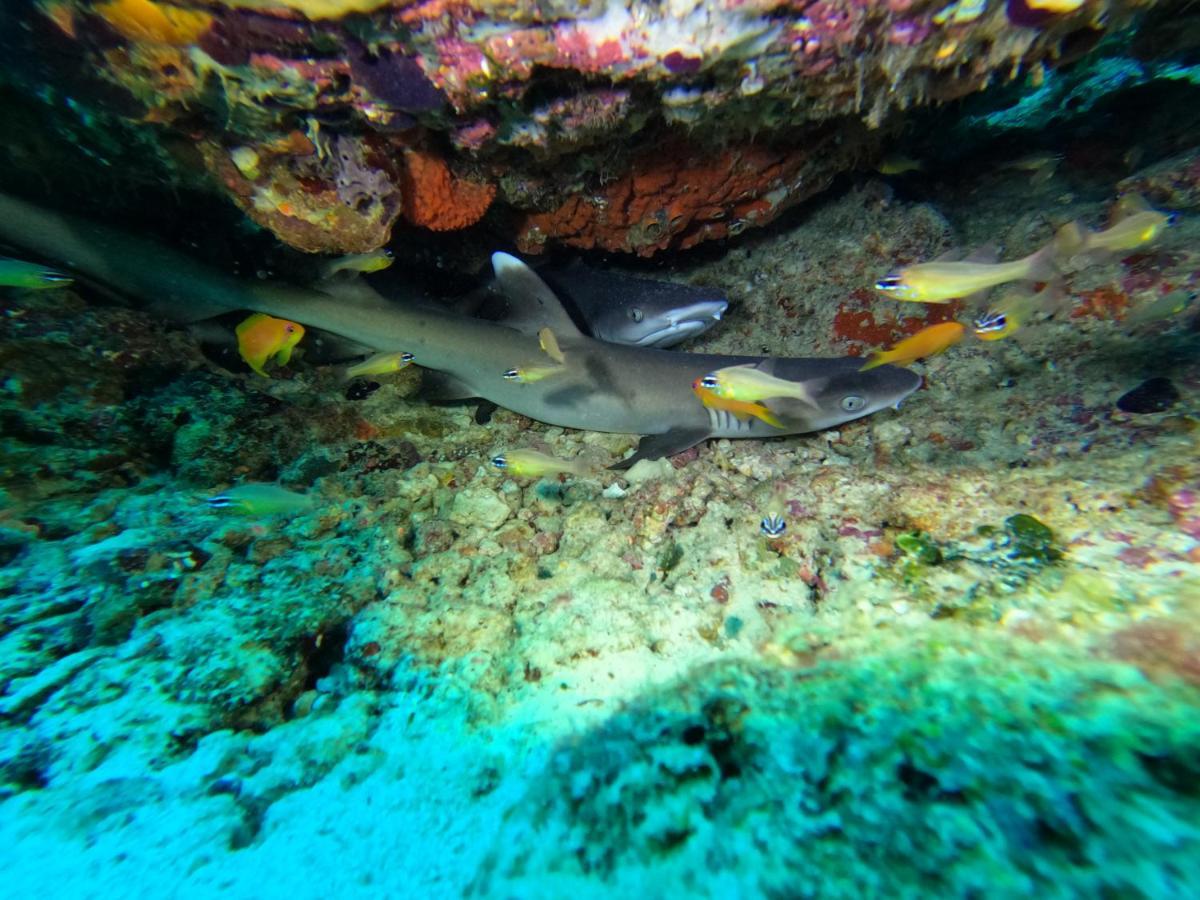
(921, 547)
(1030, 539)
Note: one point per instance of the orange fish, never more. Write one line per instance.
(740, 408)
(260, 337)
(926, 342)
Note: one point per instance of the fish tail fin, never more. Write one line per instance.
(877, 358)
(1070, 240)
(769, 417)
(1043, 264)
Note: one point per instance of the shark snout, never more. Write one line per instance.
(681, 323)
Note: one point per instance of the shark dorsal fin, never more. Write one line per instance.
(532, 305)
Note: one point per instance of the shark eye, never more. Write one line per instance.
(853, 402)
(709, 382)
(636, 314)
(499, 462)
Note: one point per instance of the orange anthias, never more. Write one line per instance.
(926, 342)
(739, 408)
(260, 337)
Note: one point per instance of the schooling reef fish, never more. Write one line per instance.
(1133, 224)
(742, 410)
(20, 274)
(380, 364)
(261, 337)
(375, 261)
(751, 384)
(533, 464)
(940, 282)
(603, 386)
(261, 500)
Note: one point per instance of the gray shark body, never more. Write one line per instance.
(626, 309)
(600, 386)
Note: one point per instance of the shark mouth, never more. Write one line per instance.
(684, 322)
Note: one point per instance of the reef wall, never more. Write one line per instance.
(621, 125)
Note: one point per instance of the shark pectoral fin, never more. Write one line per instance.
(439, 387)
(656, 446)
(483, 412)
(532, 305)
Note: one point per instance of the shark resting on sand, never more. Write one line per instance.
(601, 386)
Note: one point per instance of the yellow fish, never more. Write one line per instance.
(742, 409)
(380, 364)
(1014, 309)
(940, 282)
(530, 374)
(20, 274)
(1134, 224)
(261, 336)
(533, 464)
(928, 341)
(549, 344)
(898, 165)
(1163, 308)
(375, 261)
(261, 500)
(750, 384)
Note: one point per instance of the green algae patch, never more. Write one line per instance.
(1030, 539)
(921, 548)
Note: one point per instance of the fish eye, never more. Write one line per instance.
(853, 402)
(289, 328)
(709, 382)
(499, 462)
(388, 254)
(636, 314)
(511, 374)
(889, 284)
(407, 357)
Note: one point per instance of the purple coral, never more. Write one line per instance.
(393, 78)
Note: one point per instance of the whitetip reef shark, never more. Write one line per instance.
(602, 386)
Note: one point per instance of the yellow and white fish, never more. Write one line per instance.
(742, 409)
(375, 261)
(534, 464)
(260, 499)
(1004, 317)
(380, 364)
(1162, 308)
(750, 384)
(31, 276)
(549, 344)
(1133, 224)
(530, 374)
(941, 282)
